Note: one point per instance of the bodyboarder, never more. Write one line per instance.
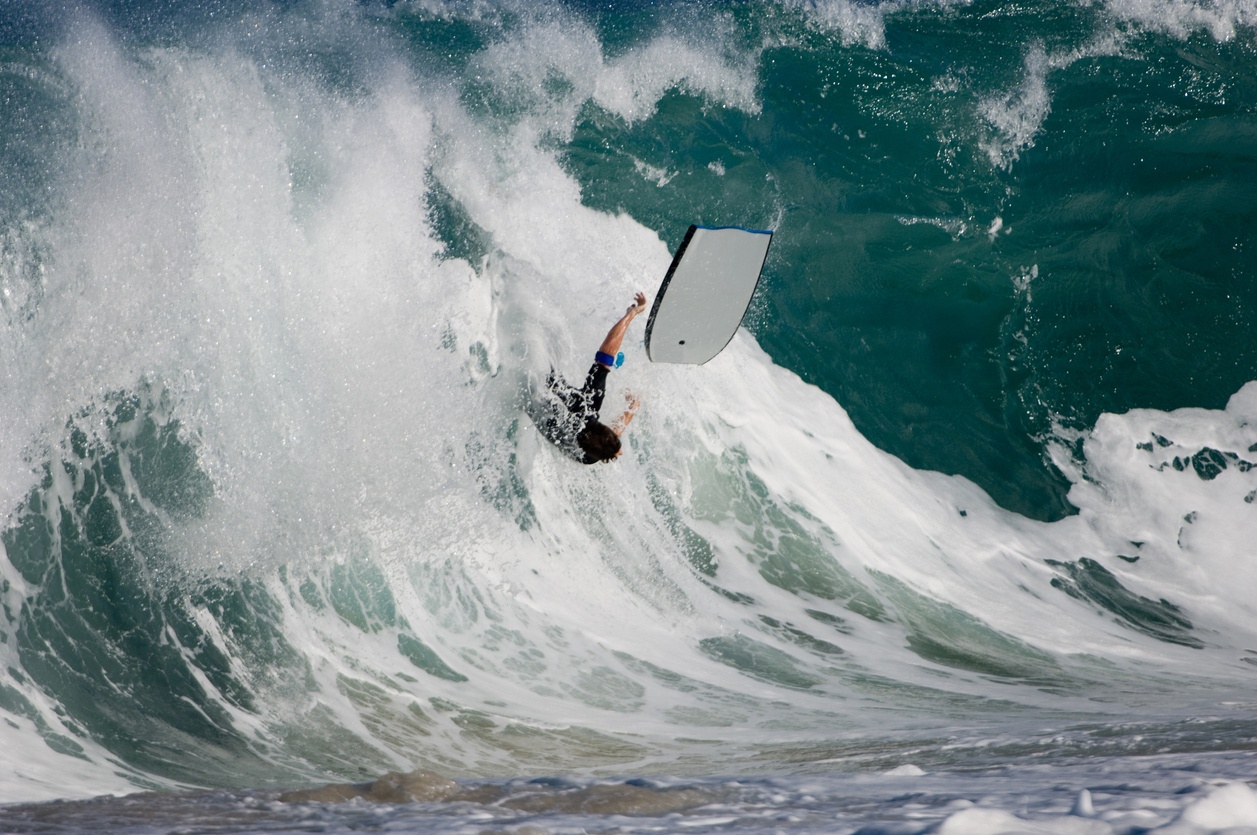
(575, 424)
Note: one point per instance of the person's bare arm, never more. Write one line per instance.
(615, 337)
(625, 419)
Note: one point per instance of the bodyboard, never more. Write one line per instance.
(705, 293)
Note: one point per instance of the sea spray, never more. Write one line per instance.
(276, 284)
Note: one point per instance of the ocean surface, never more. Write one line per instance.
(957, 535)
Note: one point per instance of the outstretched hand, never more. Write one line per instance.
(611, 342)
(639, 304)
(625, 419)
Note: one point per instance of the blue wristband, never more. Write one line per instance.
(608, 360)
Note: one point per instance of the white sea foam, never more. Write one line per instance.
(1180, 18)
(856, 23)
(555, 68)
(1191, 525)
(1018, 116)
(260, 249)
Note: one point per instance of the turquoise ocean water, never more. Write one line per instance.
(956, 533)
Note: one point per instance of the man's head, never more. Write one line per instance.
(599, 442)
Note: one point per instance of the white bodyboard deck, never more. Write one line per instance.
(706, 293)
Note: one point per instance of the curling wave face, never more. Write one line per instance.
(276, 284)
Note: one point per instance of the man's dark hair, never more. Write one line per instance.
(598, 441)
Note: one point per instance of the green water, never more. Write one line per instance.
(1130, 206)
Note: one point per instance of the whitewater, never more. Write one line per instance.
(276, 286)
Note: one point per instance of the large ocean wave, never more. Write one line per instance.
(277, 282)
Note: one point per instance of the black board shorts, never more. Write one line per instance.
(582, 406)
(585, 402)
